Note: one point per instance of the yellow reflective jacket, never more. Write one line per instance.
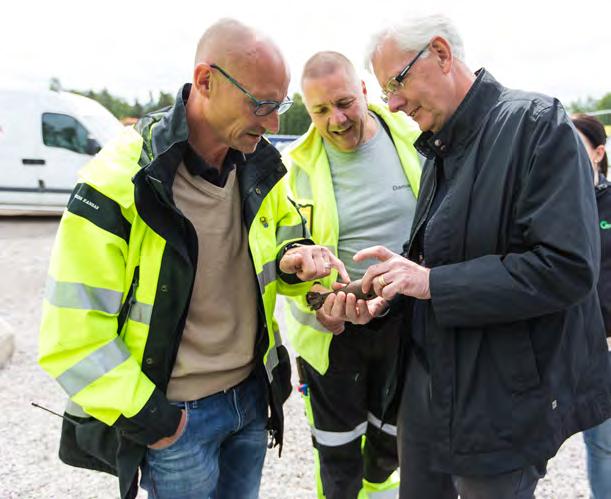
(119, 288)
(311, 187)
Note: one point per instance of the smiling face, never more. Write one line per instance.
(427, 94)
(337, 104)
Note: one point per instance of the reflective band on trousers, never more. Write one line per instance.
(267, 275)
(384, 494)
(306, 318)
(288, 232)
(337, 438)
(386, 428)
(78, 295)
(94, 366)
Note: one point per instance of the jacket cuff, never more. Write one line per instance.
(156, 420)
(290, 278)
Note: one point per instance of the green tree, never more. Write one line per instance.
(589, 105)
(296, 120)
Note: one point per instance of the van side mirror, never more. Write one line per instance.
(93, 147)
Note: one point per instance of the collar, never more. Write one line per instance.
(466, 120)
(196, 165)
(602, 185)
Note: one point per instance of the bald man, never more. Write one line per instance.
(158, 314)
(355, 174)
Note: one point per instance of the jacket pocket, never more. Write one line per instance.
(514, 356)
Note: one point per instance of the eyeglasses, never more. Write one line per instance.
(396, 82)
(262, 107)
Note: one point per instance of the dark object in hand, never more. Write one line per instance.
(315, 299)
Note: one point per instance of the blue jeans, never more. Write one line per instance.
(220, 454)
(598, 456)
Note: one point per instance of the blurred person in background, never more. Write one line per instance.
(598, 439)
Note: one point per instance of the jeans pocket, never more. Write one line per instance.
(179, 438)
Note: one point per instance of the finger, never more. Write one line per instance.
(337, 264)
(351, 311)
(377, 252)
(338, 285)
(290, 262)
(338, 310)
(390, 291)
(327, 306)
(308, 267)
(363, 311)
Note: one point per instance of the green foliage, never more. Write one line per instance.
(589, 105)
(296, 120)
(119, 106)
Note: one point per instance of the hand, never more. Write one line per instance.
(312, 262)
(395, 274)
(333, 325)
(167, 441)
(346, 307)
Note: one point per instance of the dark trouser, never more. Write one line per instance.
(417, 479)
(347, 403)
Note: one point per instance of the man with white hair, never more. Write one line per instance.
(508, 355)
(158, 317)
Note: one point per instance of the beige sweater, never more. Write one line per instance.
(217, 347)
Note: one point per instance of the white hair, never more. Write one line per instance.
(411, 34)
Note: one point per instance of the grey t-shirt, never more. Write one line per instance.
(375, 203)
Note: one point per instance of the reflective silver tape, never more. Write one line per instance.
(94, 366)
(288, 232)
(267, 275)
(384, 494)
(81, 296)
(306, 318)
(271, 363)
(386, 428)
(141, 312)
(74, 409)
(337, 438)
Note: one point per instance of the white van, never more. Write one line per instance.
(45, 138)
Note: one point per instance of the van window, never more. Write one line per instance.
(61, 130)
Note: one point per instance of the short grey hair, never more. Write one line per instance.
(411, 34)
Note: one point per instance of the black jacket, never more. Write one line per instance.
(603, 201)
(513, 333)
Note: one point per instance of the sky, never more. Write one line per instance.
(133, 47)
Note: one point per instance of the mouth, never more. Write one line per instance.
(340, 133)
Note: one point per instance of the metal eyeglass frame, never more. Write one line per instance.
(262, 107)
(396, 82)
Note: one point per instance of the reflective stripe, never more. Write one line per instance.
(74, 409)
(79, 295)
(287, 232)
(337, 438)
(141, 312)
(306, 318)
(384, 494)
(271, 363)
(386, 428)
(267, 275)
(94, 366)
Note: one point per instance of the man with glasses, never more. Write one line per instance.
(158, 316)
(355, 174)
(507, 353)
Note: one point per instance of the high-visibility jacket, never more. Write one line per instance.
(311, 187)
(119, 288)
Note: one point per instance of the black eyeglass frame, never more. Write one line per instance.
(262, 107)
(397, 81)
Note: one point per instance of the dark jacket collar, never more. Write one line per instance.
(603, 185)
(465, 121)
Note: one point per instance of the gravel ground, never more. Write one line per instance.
(29, 467)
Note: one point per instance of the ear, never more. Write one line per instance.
(442, 51)
(202, 81)
(364, 88)
(598, 153)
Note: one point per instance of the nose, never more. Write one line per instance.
(271, 122)
(395, 102)
(337, 117)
